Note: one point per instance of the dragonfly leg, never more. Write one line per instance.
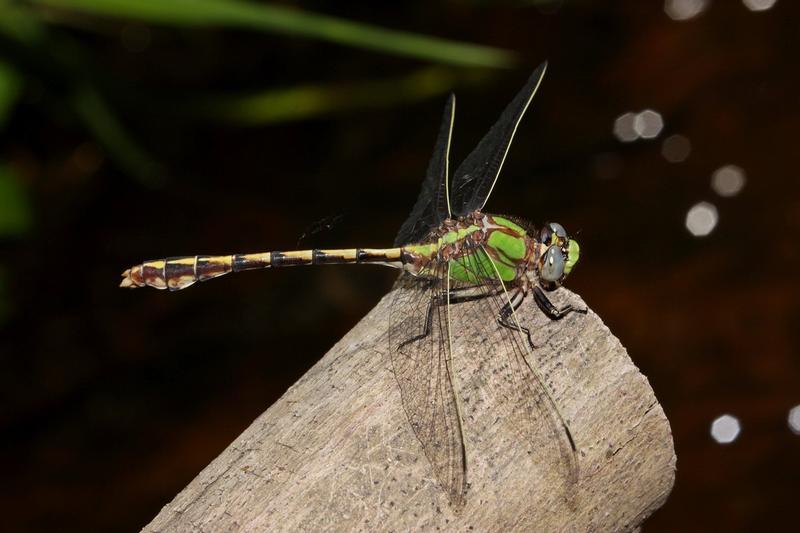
(456, 296)
(428, 322)
(547, 307)
(508, 310)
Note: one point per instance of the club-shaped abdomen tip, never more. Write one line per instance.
(128, 279)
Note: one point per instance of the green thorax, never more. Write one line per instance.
(479, 249)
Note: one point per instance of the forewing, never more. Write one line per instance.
(432, 204)
(475, 178)
(516, 386)
(421, 365)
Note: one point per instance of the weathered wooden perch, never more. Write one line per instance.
(336, 452)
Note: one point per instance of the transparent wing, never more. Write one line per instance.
(507, 360)
(432, 204)
(422, 367)
(475, 178)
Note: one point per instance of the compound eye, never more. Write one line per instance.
(553, 265)
(558, 229)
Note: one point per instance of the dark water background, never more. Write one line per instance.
(117, 146)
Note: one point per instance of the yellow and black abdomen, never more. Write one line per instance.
(176, 273)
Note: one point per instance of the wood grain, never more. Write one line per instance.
(336, 452)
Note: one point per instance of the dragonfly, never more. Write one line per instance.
(451, 254)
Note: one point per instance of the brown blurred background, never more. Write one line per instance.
(131, 133)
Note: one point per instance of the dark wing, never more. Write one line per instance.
(474, 179)
(432, 208)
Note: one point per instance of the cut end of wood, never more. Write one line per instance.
(337, 450)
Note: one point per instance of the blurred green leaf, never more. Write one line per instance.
(109, 132)
(10, 84)
(16, 215)
(279, 19)
(59, 65)
(301, 102)
(17, 22)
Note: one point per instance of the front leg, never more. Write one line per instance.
(547, 307)
(507, 311)
(456, 296)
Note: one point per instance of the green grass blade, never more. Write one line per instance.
(313, 100)
(54, 58)
(18, 23)
(109, 132)
(279, 19)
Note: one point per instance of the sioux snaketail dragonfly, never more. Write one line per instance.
(449, 252)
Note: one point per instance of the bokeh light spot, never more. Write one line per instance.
(624, 127)
(701, 219)
(684, 9)
(728, 180)
(725, 429)
(676, 148)
(794, 419)
(648, 124)
(758, 5)
(630, 126)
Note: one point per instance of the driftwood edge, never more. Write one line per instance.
(336, 451)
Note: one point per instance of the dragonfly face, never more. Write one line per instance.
(558, 256)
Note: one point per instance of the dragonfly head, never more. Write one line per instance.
(558, 255)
